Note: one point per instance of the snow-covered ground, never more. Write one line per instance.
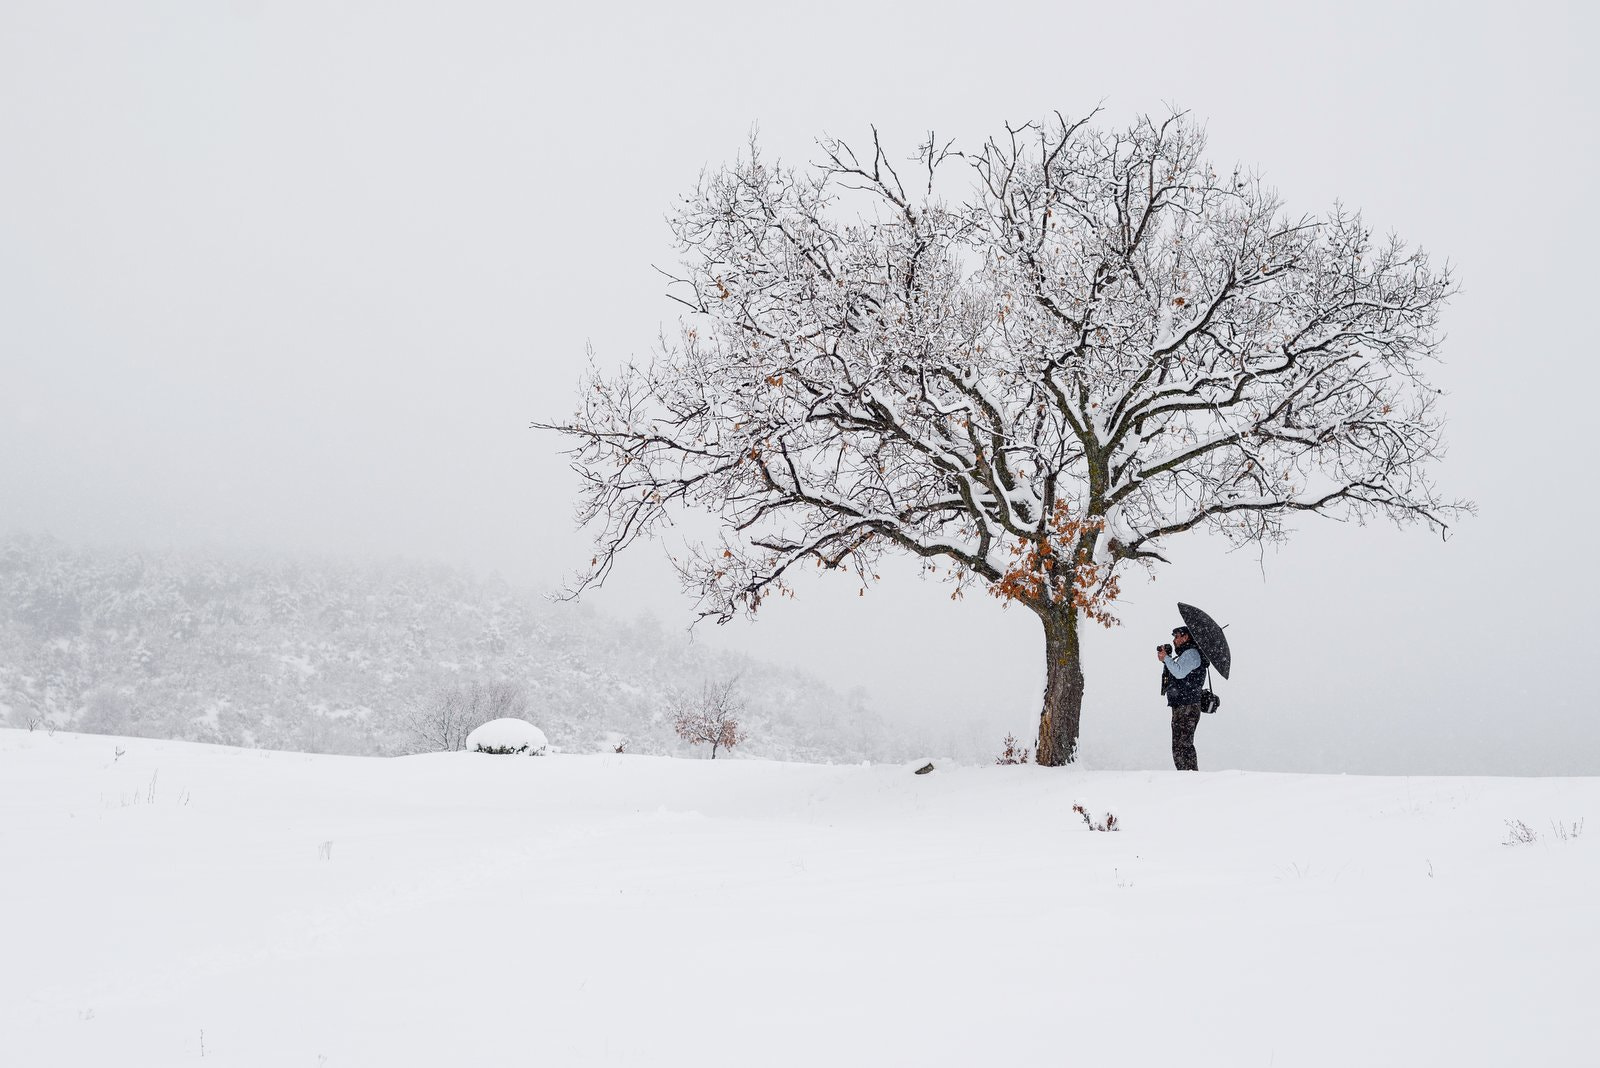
(181, 903)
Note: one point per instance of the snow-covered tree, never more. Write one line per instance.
(1034, 364)
(709, 717)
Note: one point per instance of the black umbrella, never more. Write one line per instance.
(1208, 636)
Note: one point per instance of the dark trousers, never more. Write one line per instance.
(1185, 719)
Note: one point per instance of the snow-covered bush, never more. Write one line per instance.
(506, 736)
(445, 719)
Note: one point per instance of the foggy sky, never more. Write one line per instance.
(298, 276)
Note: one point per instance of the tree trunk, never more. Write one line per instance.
(1063, 688)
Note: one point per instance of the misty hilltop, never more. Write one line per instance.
(333, 656)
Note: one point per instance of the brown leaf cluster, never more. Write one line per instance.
(1057, 566)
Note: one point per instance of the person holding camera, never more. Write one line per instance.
(1183, 674)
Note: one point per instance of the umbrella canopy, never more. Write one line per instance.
(1208, 636)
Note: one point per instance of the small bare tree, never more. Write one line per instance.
(1014, 752)
(709, 717)
(1100, 343)
(442, 721)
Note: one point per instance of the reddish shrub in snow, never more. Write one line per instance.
(1108, 823)
(1014, 753)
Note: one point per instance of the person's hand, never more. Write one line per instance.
(1161, 655)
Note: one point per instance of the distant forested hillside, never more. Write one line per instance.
(332, 656)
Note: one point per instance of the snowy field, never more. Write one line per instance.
(181, 903)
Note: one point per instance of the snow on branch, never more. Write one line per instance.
(1069, 334)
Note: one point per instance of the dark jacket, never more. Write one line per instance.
(1185, 690)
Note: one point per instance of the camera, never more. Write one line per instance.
(1165, 649)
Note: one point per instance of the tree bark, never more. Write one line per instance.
(1063, 688)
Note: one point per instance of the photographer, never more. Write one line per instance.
(1182, 680)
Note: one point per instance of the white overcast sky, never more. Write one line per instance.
(297, 276)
